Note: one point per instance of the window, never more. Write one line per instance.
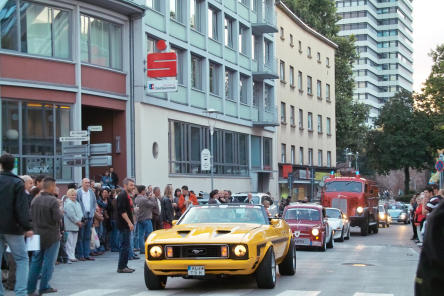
(309, 51)
(151, 45)
(329, 159)
(283, 153)
(243, 39)
(327, 92)
(282, 71)
(243, 89)
(300, 46)
(320, 160)
(282, 33)
(310, 121)
(257, 93)
(293, 154)
(195, 14)
(327, 62)
(301, 155)
(328, 126)
(292, 121)
(43, 30)
(196, 72)
(310, 156)
(319, 89)
(100, 42)
(268, 157)
(181, 54)
(256, 152)
(268, 98)
(213, 23)
(186, 142)
(291, 76)
(301, 119)
(268, 52)
(154, 4)
(291, 40)
(300, 81)
(214, 73)
(309, 86)
(283, 115)
(229, 31)
(229, 84)
(320, 124)
(177, 10)
(318, 55)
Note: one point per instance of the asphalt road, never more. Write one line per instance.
(377, 265)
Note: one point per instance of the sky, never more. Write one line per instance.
(428, 24)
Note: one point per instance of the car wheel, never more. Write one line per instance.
(375, 229)
(341, 239)
(152, 281)
(348, 234)
(388, 225)
(266, 272)
(331, 243)
(288, 266)
(364, 228)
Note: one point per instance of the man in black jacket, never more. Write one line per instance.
(14, 221)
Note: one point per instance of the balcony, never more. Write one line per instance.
(265, 24)
(266, 117)
(266, 70)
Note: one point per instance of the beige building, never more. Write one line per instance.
(305, 93)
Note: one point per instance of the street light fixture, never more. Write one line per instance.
(212, 119)
(348, 153)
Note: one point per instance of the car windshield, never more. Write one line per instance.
(333, 213)
(343, 186)
(302, 214)
(381, 209)
(224, 214)
(244, 199)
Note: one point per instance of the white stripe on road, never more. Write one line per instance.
(96, 292)
(227, 292)
(371, 294)
(299, 293)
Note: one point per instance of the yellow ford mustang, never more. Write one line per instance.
(221, 240)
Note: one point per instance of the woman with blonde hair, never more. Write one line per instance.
(72, 220)
(167, 207)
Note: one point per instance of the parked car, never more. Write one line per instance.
(258, 199)
(399, 213)
(203, 198)
(309, 225)
(384, 216)
(221, 240)
(340, 226)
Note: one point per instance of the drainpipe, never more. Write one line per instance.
(132, 172)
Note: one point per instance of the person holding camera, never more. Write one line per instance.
(73, 221)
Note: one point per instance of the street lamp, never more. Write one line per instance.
(348, 153)
(212, 119)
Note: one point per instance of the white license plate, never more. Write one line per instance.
(302, 241)
(196, 270)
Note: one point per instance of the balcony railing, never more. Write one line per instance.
(265, 24)
(267, 116)
(266, 70)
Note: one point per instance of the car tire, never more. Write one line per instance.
(375, 229)
(152, 281)
(288, 266)
(331, 243)
(341, 239)
(266, 272)
(364, 228)
(347, 237)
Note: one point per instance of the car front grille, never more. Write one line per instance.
(196, 251)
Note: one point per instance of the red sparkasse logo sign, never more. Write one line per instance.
(161, 64)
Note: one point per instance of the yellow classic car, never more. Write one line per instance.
(218, 241)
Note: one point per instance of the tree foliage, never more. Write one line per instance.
(351, 116)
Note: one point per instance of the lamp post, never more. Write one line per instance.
(211, 124)
(348, 153)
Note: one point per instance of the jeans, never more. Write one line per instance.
(84, 239)
(115, 241)
(124, 248)
(131, 247)
(70, 245)
(145, 228)
(136, 237)
(18, 248)
(418, 230)
(43, 262)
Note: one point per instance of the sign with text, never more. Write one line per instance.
(166, 85)
(205, 160)
(73, 139)
(161, 64)
(78, 133)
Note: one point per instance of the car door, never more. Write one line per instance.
(278, 235)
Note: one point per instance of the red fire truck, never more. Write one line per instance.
(356, 196)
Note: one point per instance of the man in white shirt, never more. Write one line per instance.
(87, 200)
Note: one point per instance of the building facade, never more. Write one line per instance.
(383, 31)
(306, 96)
(66, 65)
(225, 52)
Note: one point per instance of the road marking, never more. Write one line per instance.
(227, 292)
(96, 292)
(371, 294)
(298, 293)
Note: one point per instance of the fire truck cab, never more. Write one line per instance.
(356, 196)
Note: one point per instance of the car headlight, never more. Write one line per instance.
(359, 210)
(381, 215)
(156, 251)
(402, 216)
(240, 250)
(315, 232)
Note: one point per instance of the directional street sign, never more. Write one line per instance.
(95, 128)
(101, 160)
(73, 139)
(205, 160)
(78, 133)
(104, 148)
(95, 149)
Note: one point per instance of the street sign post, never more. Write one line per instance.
(205, 160)
(78, 133)
(74, 139)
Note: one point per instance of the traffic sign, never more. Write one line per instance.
(205, 160)
(73, 139)
(78, 133)
(439, 166)
(95, 128)
(95, 149)
(74, 149)
(103, 148)
(74, 161)
(101, 161)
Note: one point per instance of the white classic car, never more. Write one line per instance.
(340, 224)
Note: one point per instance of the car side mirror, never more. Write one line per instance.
(174, 222)
(274, 221)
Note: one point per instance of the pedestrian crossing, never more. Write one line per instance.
(228, 292)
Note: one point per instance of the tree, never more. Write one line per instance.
(403, 138)
(351, 116)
